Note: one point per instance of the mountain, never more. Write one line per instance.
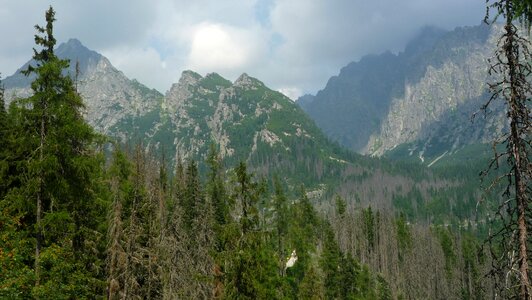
(421, 99)
(252, 123)
(246, 120)
(249, 122)
(108, 94)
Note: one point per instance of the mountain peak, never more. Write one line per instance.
(73, 42)
(74, 47)
(247, 81)
(189, 77)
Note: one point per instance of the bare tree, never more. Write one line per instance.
(511, 69)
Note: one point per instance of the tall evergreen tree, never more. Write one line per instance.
(281, 221)
(192, 201)
(253, 271)
(59, 171)
(216, 188)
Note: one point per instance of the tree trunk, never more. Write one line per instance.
(39, 237)
(516, 151)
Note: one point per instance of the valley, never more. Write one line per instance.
(229, 189)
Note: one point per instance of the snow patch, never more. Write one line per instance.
(437, 158)
(338, 160)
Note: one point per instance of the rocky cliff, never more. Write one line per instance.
(108, 94)
(424, 96)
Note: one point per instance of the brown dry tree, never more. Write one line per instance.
(510, 69)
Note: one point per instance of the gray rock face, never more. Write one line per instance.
(199, 110)
(443, 91)
(108, 94)
(425, 95)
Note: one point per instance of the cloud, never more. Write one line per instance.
(291, 92)
(319, 37)
(144, 65)
(223, 48)
(290, 45)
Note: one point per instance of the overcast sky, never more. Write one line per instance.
(291, 45)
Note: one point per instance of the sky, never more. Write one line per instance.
(293, 46)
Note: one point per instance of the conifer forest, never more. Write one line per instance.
(231, 190)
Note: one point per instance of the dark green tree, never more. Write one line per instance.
(55, 178)
(341, 206)
(216, 187)
(253, 273)
(280, 221)
(192, 201)
(330, 263)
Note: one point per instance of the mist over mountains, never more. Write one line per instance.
(250, 122)
(419, 102)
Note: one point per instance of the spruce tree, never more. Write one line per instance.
(215, 187)
(57, 167)
(281, 221)
(192, 201)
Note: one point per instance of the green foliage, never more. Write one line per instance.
(448, 246)
(53, 186)
(216, 189)
(254, 274)
(472, 259)
(311, 287)
(370, 225)
(193, 201)
(340, 206)
(404, 236)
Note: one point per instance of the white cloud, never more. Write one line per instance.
(287, 44)
(223, 48)
(291, 92)
(144, 65)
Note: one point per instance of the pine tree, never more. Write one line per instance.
(253, 273)
(281, 221)
(330, 263)
(54, 162)
(216, 188)
(192, 201)
(311, 288)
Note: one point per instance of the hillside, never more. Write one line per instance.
(247, 121)
(108, 94)
(424, 96)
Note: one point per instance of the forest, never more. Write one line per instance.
(83, 216)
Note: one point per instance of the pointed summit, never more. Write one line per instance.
(76, 52)
(75, 43)
(109, 96)
(246, 81)
(189, 77)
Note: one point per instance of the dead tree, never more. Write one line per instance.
(511, 69)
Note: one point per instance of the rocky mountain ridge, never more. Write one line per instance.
(248, 122)
(424, 96)
(108, 94)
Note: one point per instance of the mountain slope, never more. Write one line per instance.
(252, 123)
(246, 120)
(424, 96)
(108, 94)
